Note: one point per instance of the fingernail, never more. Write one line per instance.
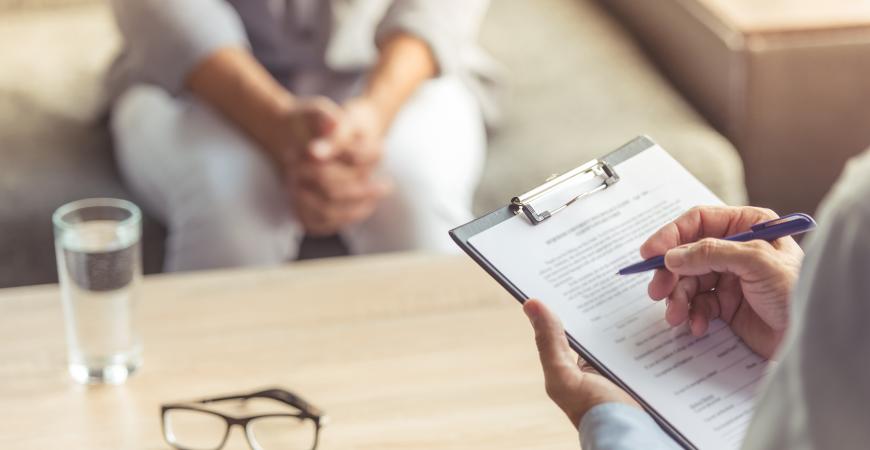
(667, 302)
(676, 256)
(320, 149)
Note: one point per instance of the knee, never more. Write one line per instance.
(136, 105)
(425, 188)
(436, 151)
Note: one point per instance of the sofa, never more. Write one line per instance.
(786, 82)
(578, 86)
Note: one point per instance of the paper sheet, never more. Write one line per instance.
(703, 386)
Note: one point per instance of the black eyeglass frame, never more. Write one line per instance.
(307, 411)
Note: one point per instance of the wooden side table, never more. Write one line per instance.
(788, 81)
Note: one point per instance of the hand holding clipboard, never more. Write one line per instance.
(562, 243)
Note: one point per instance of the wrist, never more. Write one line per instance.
(604, 409)
(274, 117)
(369, 109)
(581, 409)
(281, 105)
(594, 390)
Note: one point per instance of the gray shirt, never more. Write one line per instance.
(817, 396)
(314, 47)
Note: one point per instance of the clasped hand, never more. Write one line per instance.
(329, 161)
(746, 284)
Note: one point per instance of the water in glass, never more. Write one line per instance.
(99, 265)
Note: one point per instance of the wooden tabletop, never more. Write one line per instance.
(401, 352)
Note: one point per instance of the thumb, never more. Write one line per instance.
(716, 255)
(323, 120)
(321, 149)
(550, 338)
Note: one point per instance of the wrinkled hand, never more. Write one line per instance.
(332, 180)
(575, 388)
(746, 284)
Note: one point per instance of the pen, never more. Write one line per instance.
(772, 230)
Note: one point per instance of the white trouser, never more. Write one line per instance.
(225, 205)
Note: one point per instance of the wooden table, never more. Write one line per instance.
(402, 352)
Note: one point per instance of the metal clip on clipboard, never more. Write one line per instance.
(594, 168)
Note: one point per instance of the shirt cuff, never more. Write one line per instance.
(617, 426)
(427, 27)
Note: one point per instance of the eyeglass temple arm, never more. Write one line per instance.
(275, 394)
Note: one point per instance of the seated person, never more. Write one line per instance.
(246, 124)
(814, 326)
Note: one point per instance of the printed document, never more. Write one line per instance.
(703, 386)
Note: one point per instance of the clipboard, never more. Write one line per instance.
(606, 169)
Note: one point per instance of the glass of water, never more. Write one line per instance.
(97, 242)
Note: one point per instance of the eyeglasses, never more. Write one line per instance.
(187, 426)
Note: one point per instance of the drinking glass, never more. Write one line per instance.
(97, 243)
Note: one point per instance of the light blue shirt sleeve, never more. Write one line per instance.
(616, 426)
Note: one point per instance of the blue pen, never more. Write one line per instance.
(766, 231)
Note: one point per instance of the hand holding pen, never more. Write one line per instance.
(747, 284)
(769, 231)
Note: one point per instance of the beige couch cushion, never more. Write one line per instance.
(580, 88)
(21, 5)
(57, 58)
